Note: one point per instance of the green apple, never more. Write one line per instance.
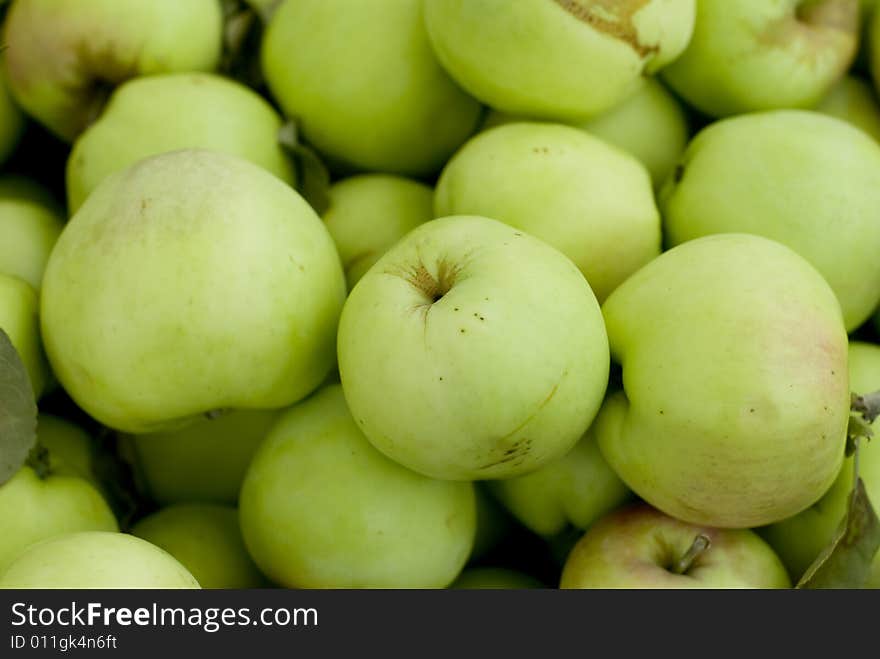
(321, 508)
(364, 86)
(95, 560)
(371, 212)
(735, 398)
(37, 506)
(809, 181)
(207, 541)
(192, 281)
(64, 57)
(590, 200)
(640, 547)
(853, 100)
(574, 490)
(752, 55)
(472, 350)
(19, 318)
(30, 222)
(562, 60)
(494, 578)
(799, 540)
(11, 120)
(649, 124)
(69, 447)
(150, 115)
(204, 461)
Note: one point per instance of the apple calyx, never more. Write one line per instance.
(700, 544)
(38, 460)
(614, 18)
(840, 15)
(433, 288)
(864, 410)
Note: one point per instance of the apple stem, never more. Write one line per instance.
(700, 544)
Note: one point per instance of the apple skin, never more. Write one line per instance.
(150, 115)
(650, 125)
(364, 85)
(192, 281)
(34, 508)
(207, 541)
(96, 560)
(562, 60)
(69, 446)
(11, 120)
(19, 318)
(736, 400)
(64, 56)
(809, 181)
(371, 212)
(321, 508)
(563, 186)
(753, 55)
(636, 547)
(494, 578)
(798, 540)
(853, 100)
(203, 462)
(30, 222)
(574, 490)
(457, 363)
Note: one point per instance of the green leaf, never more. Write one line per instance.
(312, 176)
(846, 562)
(18, 411)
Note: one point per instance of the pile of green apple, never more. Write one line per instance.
(439, 293)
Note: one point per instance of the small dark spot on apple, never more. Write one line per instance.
(440, 378)
(517, 234)
(462, 330)
(455, 309)
(661, 412)
(752, 410)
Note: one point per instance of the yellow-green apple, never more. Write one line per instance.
(640, 547)
(321, 508)
(735, 398)
(362, 83)
(69, 447)
(19, 318)
(35, 505)
(807, 180)
(574, 490)
(190, 282)
(472, 350)
(11, 120)
(206, 540)
(494, 578)
(369, 213)
(30, 223)
(565, 59)
(853, 100)
(95, 560)
(752, 55)
(153, 114)
(203, 462)
(590, 200)
(64, 57)
(800, 539)
(650, 124)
